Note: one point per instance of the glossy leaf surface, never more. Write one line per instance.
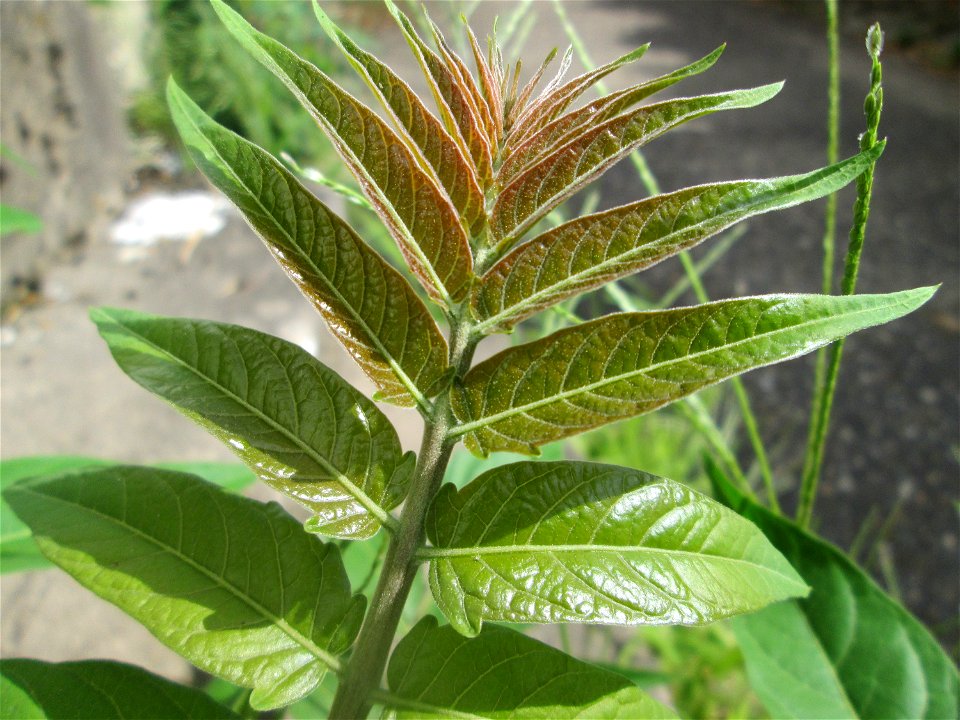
(586, 253)
(18, 551)
(302, 428)
(34, 690)
(368, 305)
(418, 214)
(851, 645)
(544, 185)
(437, 673)
(556, 542)
(233, 585)
(441, 152)
(543, 139)
(630, 363)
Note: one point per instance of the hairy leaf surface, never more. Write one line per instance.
(852, 647)
(455, 174)
(580, 542)
(435, 672)
(588, 252)
(233, 585)
(35, 690)
(549, 106)
(452, 99)
(564, 128)
(415, 210)
(630, 363)
(302, 428)
(545, 184)
(367, 304)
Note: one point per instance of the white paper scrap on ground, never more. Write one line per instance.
(177, 217)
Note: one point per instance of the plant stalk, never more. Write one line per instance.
(362, 673)
(820, 422)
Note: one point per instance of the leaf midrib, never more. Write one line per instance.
(438, 553)
(520, 409)
(329, 660)
(384, 517)
(407, 381)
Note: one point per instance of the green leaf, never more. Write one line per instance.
(545, 184)
(15, 220)
(589, 252)
(630, 363)
(853, 650)
(35, 690)
(436, 673)
(18, 551)
(303, 429)
(368, 305)
(233, 585)
(452, 99)
(439, 150)
(418, 214)
(548, 542)
(542, 139)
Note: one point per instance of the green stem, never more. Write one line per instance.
(651, 185)
(361, 676)
(820, 422)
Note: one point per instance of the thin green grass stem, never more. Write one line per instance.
(820, 422)
(650, 183)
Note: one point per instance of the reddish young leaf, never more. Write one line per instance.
(547, 183)
(418, 214)
(454, 173)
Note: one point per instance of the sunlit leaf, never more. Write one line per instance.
(452, 101)
(302, 428)
(416, 211)
(590, 251)
(580, 542)
(852, 650)
(437, 673)
(35, 690)
(627, 364)
(440, 151)
(233, 585)
(542, 138)
(571, 165)
(368, 305)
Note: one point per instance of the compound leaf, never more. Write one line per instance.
(368, 305)
(35, 690)
(301, 428)
(571, 165)
(630, 363)
(435, 672)
(233, 585)
(440, 151)
(588, 252)
(852, 652)
(549, 542)
(416, 211)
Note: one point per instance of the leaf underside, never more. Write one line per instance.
(626, 364)
(854, 651)
(35, 690)
(435, 672)
(233, 585)
(303, 429)
(548, 542)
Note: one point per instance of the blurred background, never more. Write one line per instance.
(101, 207)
